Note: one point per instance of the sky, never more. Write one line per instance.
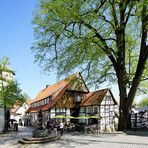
(16, 39)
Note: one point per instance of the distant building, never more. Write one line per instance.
(18, 112)
(9, 76)
(4, 76)
(71, 99)
(139, 117)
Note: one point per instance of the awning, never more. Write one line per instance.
(79, 117)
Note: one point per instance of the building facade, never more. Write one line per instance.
(18, 112)
(139, 117)
(71, 99)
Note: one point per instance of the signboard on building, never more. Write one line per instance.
(1, 119)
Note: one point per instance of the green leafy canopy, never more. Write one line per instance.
(143, 102)
(105, 39)
(9, 90)
(85, 35)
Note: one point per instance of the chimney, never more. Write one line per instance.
(47, 86)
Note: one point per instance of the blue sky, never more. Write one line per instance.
(16, 38)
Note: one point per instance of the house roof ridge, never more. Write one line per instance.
(74, 74)
(92, 96)
(55, 89)
(88, 97)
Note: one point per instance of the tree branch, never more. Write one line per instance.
(99, 6)
(102, 17)
(144, 79)
(114, 13)
(128, 14)
(109, 51)
(101, 3)
(71, 31)
(113, 39)
(142, 57)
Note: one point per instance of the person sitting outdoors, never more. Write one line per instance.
(61, 128)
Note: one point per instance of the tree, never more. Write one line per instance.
(106, 39)
(9, 90)
(26, 96)
(143, 102)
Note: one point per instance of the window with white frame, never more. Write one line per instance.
(89, 109)
(48, 99)
(95, 109)
(42, 102)
(82, 109)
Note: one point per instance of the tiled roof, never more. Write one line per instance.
(50, 90)
(35, 109)
(29, 101)
(17, 105)
(56, 97)
(57, 90)
(94, 98)
(15, 108)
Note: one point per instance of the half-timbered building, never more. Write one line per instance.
(71, 99)
(139, 117)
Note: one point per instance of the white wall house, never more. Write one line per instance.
(100, 104)
(139, 117)
(19, 111)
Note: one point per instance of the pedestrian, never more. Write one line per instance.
(61, 128)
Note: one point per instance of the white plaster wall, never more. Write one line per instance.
(52, 113)
(21, 112)
(106, 122)
(68, 112)
(22, 109)
(15, 117)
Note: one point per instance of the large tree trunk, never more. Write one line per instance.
(124, 117)
(126, 100)
(123, 102)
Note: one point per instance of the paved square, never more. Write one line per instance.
(77, 140)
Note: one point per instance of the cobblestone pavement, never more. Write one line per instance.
(76, 140)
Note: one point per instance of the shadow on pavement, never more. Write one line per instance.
(138, 132)
(88, 141)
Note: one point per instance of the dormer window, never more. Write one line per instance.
(42, 102)
(48, 99)
(78, 97)
(95, 109)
